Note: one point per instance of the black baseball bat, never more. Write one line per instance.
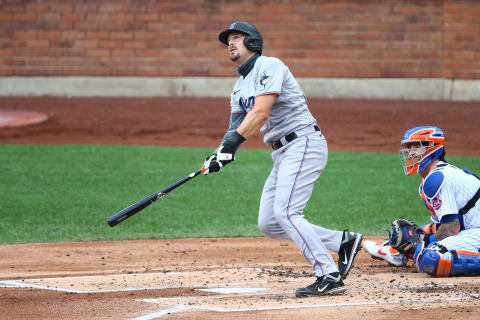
(142, 204)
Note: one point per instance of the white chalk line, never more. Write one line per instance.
(24, 283)
(17, 284)
(176, 307)
(181, 308)
(156, 315)
(146, 273)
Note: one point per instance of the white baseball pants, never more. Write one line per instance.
(287, 190)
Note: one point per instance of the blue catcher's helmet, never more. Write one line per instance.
(420, 147)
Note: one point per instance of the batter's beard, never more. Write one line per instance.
(235, 57)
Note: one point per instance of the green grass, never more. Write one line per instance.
(65, 193)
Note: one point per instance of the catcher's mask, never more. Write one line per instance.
(253, 39)
(420, 147)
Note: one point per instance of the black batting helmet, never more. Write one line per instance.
(253, 39)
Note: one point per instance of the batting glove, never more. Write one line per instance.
(224, 155)
(210, 164)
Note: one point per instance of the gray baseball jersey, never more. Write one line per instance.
(297, 165)
(289, 111)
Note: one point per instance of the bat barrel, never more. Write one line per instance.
(131, 210)
(142, 204)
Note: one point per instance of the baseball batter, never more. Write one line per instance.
(267, 97)
(451, 195)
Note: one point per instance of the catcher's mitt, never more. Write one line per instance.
(402, 233)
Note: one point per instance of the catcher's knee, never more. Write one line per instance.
(434, 263)
(437, 261)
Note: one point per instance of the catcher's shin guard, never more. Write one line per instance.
(437, 261)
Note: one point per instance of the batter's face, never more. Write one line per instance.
(237, 50)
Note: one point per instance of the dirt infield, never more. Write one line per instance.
(235, 278)
(349, 125)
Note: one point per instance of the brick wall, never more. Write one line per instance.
(365, 39)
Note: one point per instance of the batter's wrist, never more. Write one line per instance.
(233, 141)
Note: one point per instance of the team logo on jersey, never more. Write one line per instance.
(264, 80)
(247, 104)
(437, 202)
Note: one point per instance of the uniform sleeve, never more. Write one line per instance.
(236, 119)
(445, 204)
(425, 201)
(237, 114)
(269, 77)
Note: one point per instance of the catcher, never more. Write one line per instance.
(450, 245)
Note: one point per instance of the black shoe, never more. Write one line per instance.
(351, 244)
(329, 284)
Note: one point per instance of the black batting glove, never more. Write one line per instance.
(224, 155)
(210, 164)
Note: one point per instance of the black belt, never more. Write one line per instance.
(289, 138)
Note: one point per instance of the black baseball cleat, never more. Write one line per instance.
(349, 247)
(329, 284)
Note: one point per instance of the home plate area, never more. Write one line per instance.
(255, 289)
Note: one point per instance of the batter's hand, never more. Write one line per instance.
(224, 154)
(218, 160)
(210, 164)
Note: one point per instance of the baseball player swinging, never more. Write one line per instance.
(450, 245)
(267, 97)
